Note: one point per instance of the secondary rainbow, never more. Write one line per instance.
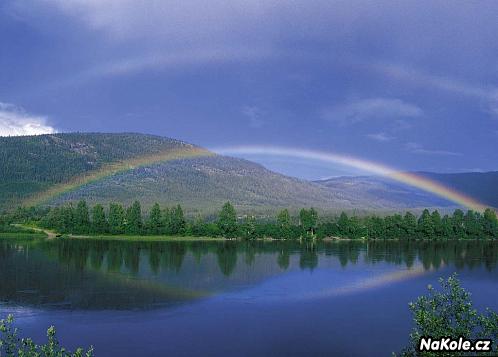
(411, 179)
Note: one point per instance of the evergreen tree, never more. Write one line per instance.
(356, 229)
(343, 224)
(284, 223)
(67, 219)
(116, 218)
(410, 225)
(397, 224)
(99, 222)
(134, 218)
(177, 220)
(82, 218)
(249, 227)
(490, 223)
(227, 220)
(308, 219)
(447, 227)
(437, 223)
(375, 227)
(155, 220)
(425, 225)
(458, 225)
(471, 224)
(167, 221)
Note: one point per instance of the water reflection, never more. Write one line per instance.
(95, 274)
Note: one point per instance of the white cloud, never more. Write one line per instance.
(417, 148)
(373, 108)
(16, 121)
(381, 137)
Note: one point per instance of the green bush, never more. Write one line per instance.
(12, 345)
(449, 313)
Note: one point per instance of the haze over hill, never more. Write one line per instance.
(31, 164)
(483, 186)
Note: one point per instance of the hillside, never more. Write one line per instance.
(206, 183)
(384, 191)
(31, 164)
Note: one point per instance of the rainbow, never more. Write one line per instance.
(373, 282)
(411, 179)
(195, 152)
(113, 169)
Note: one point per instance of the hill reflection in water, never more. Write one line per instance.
(95, 274)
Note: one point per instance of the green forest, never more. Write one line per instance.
(116, 219)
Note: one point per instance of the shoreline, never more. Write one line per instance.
(164, 238)
(18, 235)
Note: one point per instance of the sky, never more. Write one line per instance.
(409, 84)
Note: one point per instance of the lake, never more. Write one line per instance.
(230, 298)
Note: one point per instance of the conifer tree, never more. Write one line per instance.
(308, 219)
(177, 220)
(82, 218)
(155, 221)
(284, 223)
(437, 223)
(227, 220)
(134, 218)
(116, 218)
(410, 224)
(471, 223)
(490, 223)
(343, 224)
(458, 225)
(99, 222)
(425, 225)
(446, 227)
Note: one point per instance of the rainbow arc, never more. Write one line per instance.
(108, 170)
(410, 179)
(113, 169)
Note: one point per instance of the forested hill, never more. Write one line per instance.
(32, 164)
(29, 164)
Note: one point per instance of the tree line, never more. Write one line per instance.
(117, 219)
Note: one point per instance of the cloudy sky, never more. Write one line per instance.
(411, 84)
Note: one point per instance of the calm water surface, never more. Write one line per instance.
(232, 298)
